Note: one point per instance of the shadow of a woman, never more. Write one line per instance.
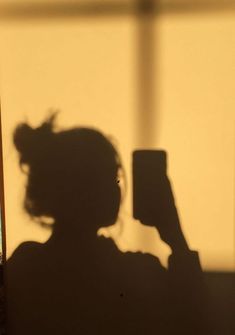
(77, 282)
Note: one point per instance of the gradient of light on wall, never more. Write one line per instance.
(89, 69)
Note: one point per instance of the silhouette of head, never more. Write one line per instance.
(72, 174)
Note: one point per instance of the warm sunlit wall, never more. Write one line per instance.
(197, 104)
(87, 68)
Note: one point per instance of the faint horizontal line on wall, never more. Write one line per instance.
(108, 9)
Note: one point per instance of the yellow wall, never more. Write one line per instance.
(88, 69)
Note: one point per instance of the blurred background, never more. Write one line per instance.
(151, 74)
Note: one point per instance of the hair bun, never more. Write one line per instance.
(23, 139)
(30, 142)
